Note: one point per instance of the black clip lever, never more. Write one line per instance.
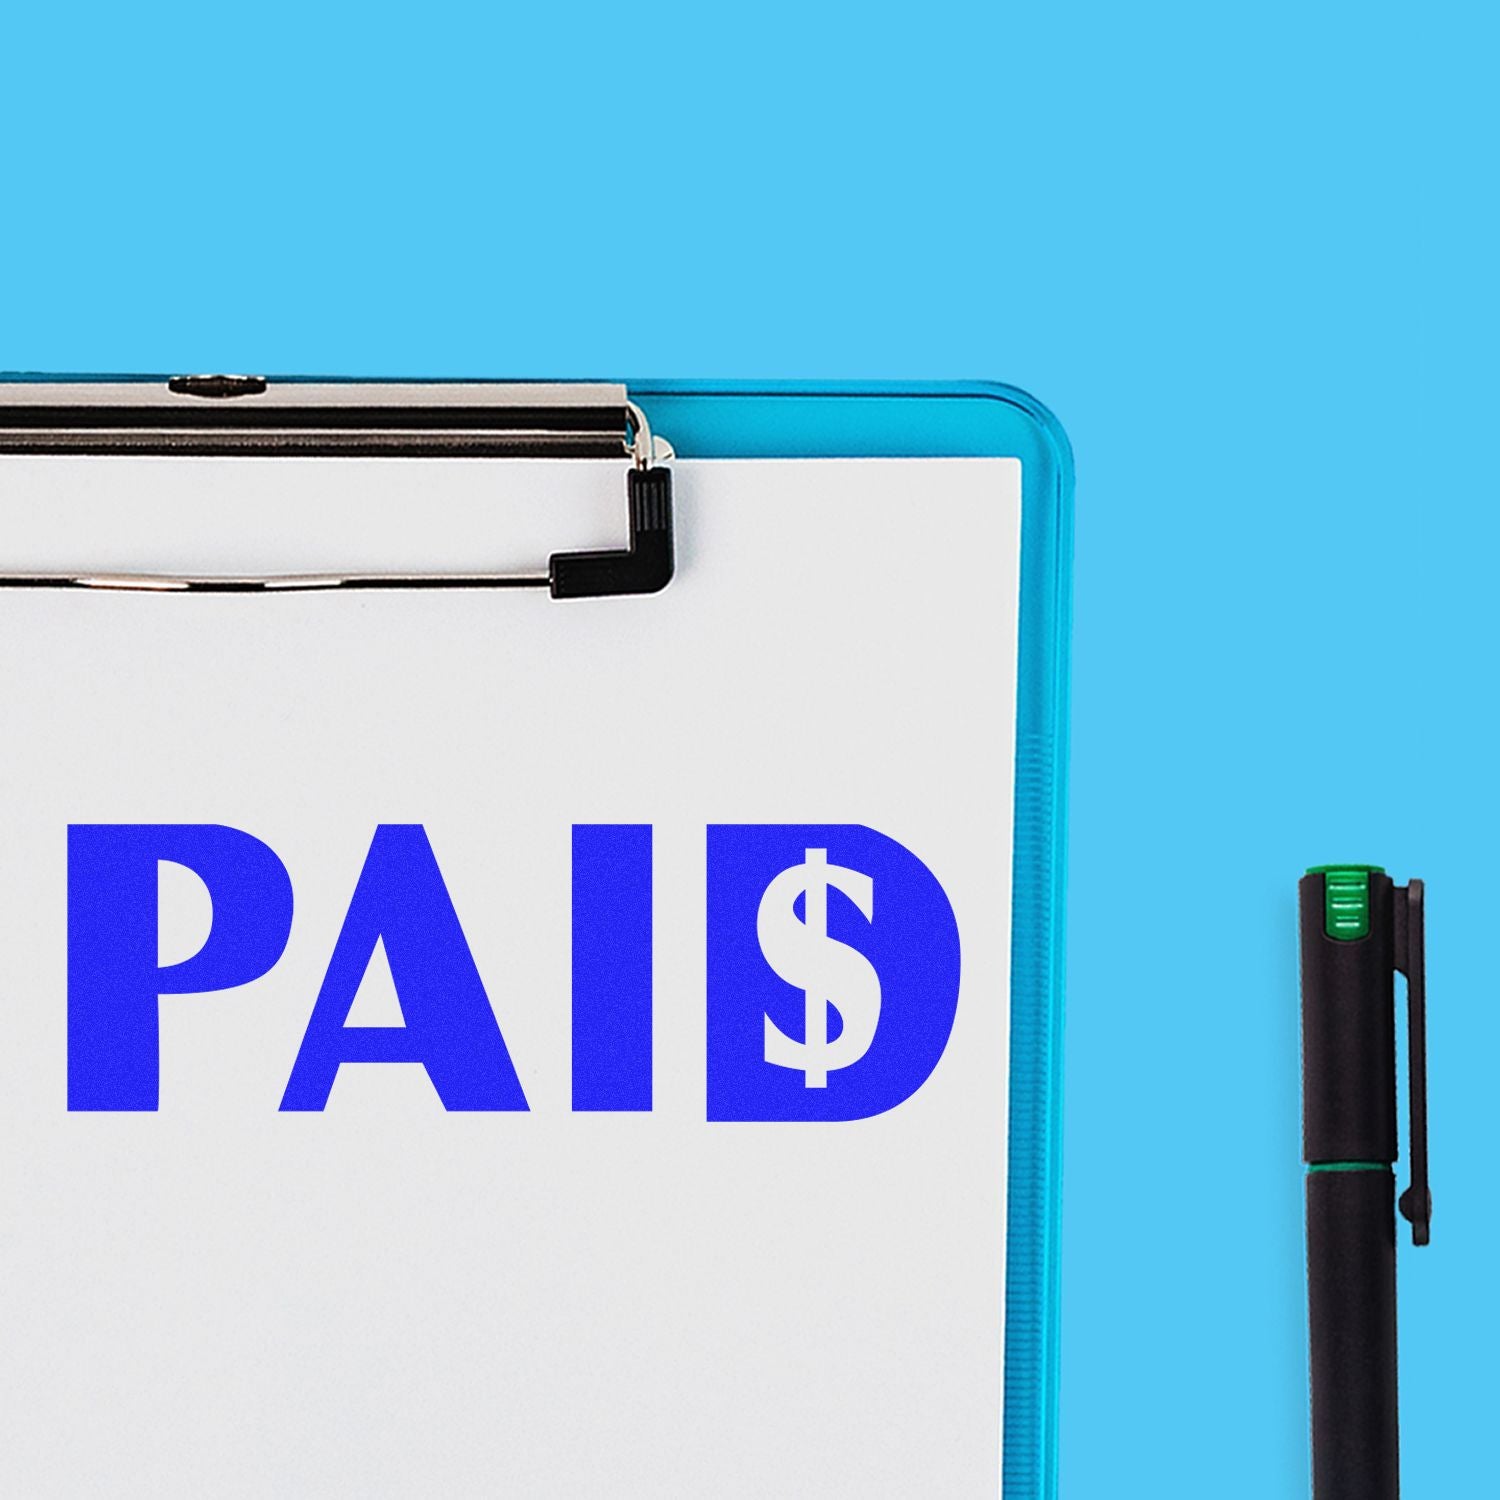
(644, 567)
(1411, 959)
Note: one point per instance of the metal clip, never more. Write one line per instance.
(1411, 959)
(247, 415)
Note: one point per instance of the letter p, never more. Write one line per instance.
(114, 979)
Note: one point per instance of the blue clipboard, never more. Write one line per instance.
(971, 420)
(703, 421)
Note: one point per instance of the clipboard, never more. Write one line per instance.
(535, 938)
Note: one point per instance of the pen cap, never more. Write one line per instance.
(1348, 1016)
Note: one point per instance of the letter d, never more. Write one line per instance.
(833, 972)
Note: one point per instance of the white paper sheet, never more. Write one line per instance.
(386, 1298)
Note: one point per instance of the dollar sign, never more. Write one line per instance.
(828, 972)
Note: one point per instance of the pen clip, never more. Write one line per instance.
(1411, 960)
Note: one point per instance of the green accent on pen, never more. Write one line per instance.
(1346, 899)
(1351, 1166)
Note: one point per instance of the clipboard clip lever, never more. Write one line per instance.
(646, 564)
(244, 415)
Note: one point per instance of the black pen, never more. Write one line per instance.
(1358, 929)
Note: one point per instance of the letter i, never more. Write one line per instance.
(611, 966)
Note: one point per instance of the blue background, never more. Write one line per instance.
(1245, 252)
